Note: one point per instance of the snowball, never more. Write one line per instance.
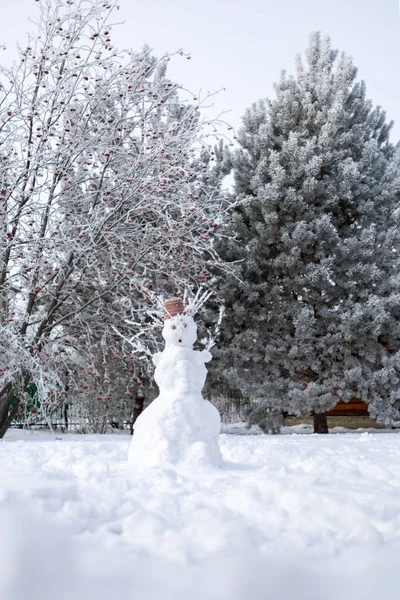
(180, 331)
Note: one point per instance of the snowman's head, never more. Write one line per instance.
(180, 330)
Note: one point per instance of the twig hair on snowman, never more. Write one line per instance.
(180, 330)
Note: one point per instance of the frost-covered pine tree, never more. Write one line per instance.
(313, 315)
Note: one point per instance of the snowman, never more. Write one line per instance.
(179, 427)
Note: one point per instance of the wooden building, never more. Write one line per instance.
(354, 408)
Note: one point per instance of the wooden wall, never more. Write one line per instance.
(354, 408)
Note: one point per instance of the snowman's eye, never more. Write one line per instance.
(184, 324)
(173, 327)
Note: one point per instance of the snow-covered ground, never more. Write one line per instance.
(288, 517)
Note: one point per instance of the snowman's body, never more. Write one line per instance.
(179, 426)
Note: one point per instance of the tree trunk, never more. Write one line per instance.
(7, 412)
(320, 423)
(66, 405)
(137, 409)
(65, 415)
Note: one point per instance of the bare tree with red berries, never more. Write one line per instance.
(107, 189)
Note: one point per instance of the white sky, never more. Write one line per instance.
(242, 45)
